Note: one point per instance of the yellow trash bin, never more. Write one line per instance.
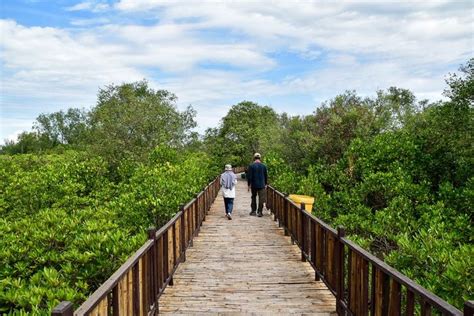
(307, 200)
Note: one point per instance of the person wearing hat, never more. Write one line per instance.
(257, 180)
(228, 182)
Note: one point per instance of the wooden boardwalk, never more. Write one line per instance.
(244, 266)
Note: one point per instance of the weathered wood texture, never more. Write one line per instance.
(244, 265)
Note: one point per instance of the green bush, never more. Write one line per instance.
(66, 227)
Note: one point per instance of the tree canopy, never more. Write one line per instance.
(246, 129)
(131, 119)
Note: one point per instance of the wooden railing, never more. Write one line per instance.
(361, 283)
(134, 289)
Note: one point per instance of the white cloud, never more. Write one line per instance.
(176, 48)
(50, 61)
(89, 6)
(141, 5)
(213, 86)
(89, 22)
(11, 128)
(80, 6)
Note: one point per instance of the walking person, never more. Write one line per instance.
(257, 180)
(228, 182)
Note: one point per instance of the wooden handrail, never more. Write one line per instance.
(360, 281)
(134, 289)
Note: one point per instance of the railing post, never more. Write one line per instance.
(469, 308)
(303, 231)
(165, 243)
(194, 208)
(278, 200)
(206, 196)
(274, 208)
(279, 204)
(151, 233)
(273, 203)
(64, 308)
(197, 218)
(340, 270)
(285, 215)
(268, 201)
(182, 231)
(175, 247)
(136, 288)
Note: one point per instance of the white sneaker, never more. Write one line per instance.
(229, 216)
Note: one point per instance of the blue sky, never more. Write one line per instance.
(213, 54)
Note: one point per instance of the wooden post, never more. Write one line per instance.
(190, 230)
(175, 255)
(151, 233)
(395, 298)
(469, 308)
(273, 209)
(201, 212)
(183, 235)
(152, 266)
(175, 260)
(279, 201)
(64, 308)
(312, 234)
(136, 289)
(197, 219)
(303, 231)
(285, 215)
(410, 304)
(166, 269)
(341, 233)
(115, 299)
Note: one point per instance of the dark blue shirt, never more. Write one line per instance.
(257, 175)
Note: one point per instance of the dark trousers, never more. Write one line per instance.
(229, 205)
(261, 199)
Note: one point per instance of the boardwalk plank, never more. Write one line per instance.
(245, 266)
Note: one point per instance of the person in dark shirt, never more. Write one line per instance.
(257, 180)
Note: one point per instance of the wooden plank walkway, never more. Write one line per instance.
(244, 266)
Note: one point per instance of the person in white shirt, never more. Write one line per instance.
(228, 182)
